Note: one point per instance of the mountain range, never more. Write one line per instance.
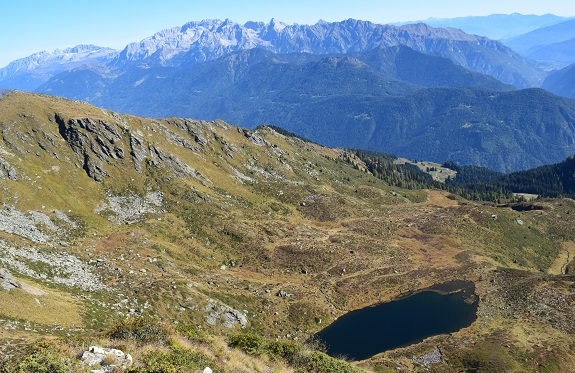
(206, 40)
(30, 72)
(394, 100)
(342, 84)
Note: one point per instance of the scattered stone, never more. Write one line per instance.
(62, 216)
(65, 269)
(15, 222)
(131, 208)
(284, 294)
(226, 315)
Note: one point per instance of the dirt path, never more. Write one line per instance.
(566, 254)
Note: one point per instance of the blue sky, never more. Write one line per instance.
(28, 26)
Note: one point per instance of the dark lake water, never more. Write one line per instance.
(366, 332)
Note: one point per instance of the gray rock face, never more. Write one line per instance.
(7, 281)
(138, 153)
(159, 157)
(94, 143)
(7, 171)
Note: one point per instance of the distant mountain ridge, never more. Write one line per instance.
(205, 40)
(30, 72)
(496, 26)
(209, 39)
(544, 42)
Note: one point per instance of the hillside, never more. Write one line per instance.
(204, 227)
(556, 180)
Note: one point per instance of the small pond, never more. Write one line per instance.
(440, 309)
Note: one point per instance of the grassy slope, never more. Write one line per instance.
(300, 220)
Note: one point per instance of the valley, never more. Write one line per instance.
(199, 224)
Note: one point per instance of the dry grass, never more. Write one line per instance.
(50, 309)
(566, 255)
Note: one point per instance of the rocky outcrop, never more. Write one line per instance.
(7, 171)
(138, 152)
(429, 358)
(94, 142)
(181, 169)
(7, 281)
(220, 314)
(108, 359)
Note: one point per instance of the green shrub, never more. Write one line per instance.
(251, 344)
(193, 333)
(143, 330)
(178, 360)
(44, 361)
(289, 351)
(318, 362)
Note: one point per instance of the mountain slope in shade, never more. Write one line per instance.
(497, 26)
(562, 82)
(262, 75)
(562, 53)
(537, 39)
(502, 131)
(406, 64)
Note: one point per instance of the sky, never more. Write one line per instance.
(29, 26)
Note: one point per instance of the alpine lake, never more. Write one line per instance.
(440, 309)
